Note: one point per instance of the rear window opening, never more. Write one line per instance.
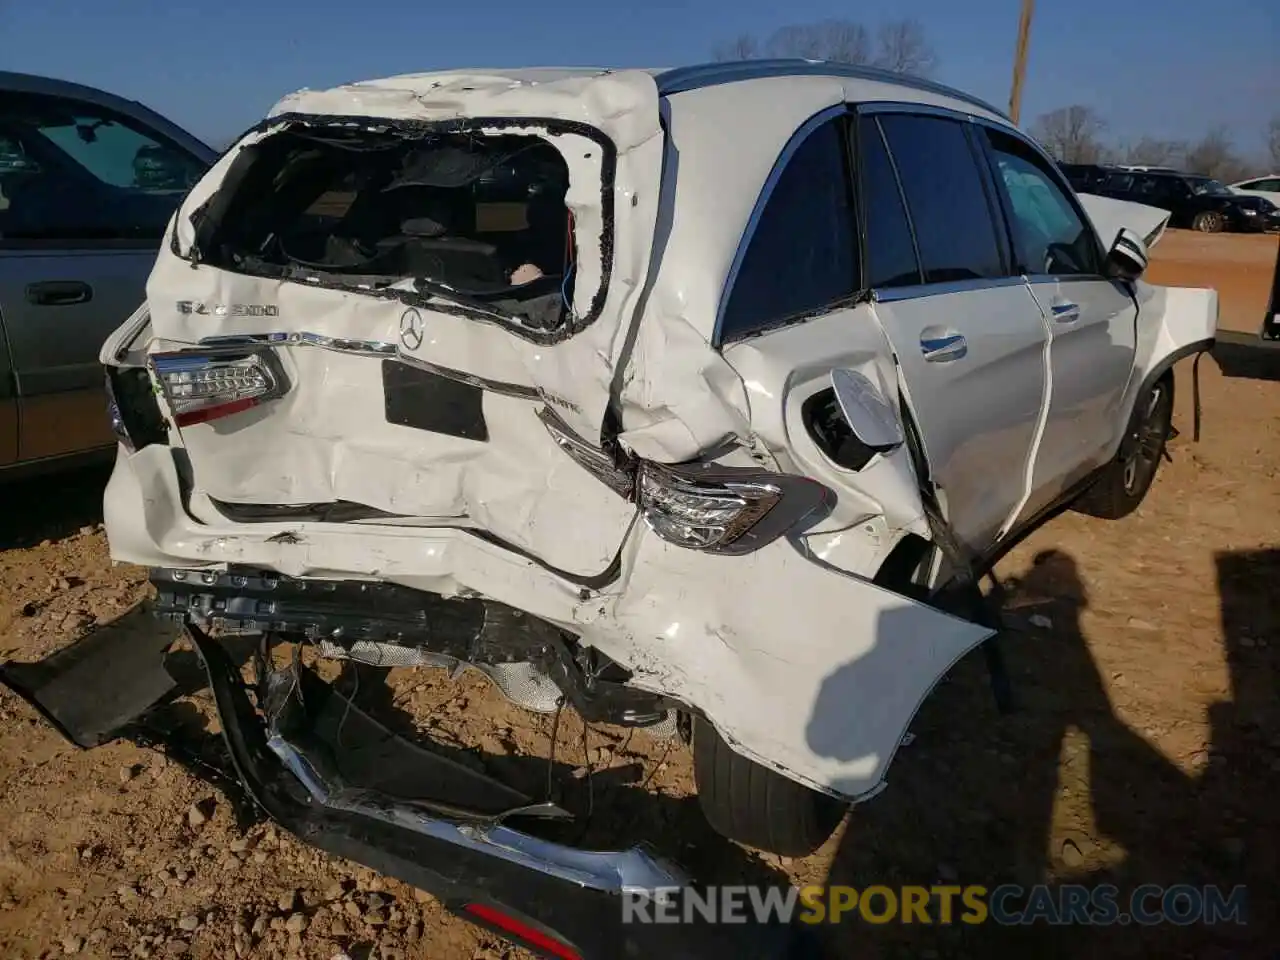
(476, 220)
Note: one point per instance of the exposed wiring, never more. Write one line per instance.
(551, 760)
(657, 766)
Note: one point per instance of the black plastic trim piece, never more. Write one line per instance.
(1271, 319)
(423, 400)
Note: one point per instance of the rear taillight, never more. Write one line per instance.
(521, 931)
(200, 387)
(724, 509)
(702, 506)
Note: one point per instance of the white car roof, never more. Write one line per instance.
(860, 82)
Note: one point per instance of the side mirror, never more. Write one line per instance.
(1127, 259)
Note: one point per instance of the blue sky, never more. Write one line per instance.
(1164, 68)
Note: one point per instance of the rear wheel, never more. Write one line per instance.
(1124, 482)
(1208, 222)
(750, 803)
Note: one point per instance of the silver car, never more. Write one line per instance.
(88, 182)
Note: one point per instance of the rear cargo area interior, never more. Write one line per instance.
(483, 215)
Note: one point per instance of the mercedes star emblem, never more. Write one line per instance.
(411, 329)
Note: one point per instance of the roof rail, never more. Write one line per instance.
(680, 79)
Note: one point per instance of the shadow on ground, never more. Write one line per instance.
(51, 507)
(972, 801)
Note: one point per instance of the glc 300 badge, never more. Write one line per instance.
(229, 309)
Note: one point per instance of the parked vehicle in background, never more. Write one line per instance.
(1083, 176)
(88, 181)
(1267, 187)
(1194, 202)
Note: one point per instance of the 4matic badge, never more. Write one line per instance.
(229, 309)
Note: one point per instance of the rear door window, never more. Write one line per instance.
(890, 249)
(946, 198)
(802, 257)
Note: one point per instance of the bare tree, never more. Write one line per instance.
(1072, 134)
(742, 47)
(1213, 155)
(840, 41)
(902, 48)
(1273, 142)
(1150, 152)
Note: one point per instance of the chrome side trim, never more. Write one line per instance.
(302, 338)
(608, 871)
(919, 290)
(372, 348)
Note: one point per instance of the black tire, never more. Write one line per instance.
(1123, 483)
(1209, 221)
(753, 805)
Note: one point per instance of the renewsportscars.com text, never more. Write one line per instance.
(1008, 904)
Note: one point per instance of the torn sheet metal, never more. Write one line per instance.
(784, 370)
(1110, 216)
(613, 204)
(328, 438)
(701, 627)
(826, 696)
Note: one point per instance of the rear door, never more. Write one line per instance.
(1092, 320)
(969, 338)
(87, 194)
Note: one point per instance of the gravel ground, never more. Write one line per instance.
(1146, 747)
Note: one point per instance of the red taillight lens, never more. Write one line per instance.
(201, 387)
(522, 931)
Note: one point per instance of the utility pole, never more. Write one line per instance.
(1020, 59)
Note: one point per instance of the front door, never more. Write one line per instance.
(87, 194)
(968, 336)
(1092, 320)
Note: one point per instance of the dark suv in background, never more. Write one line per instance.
(1200, 203)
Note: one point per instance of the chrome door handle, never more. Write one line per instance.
(943, 349)
(1066, 312)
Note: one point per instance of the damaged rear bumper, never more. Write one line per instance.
(378, 802)
(800, 666)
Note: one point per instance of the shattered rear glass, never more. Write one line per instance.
(474, 218)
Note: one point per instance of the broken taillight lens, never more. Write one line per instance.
(201, 387)
(703, 506)
(724, 509)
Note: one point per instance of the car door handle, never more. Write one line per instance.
(59, 293)
(943, 349)
(1066, 312)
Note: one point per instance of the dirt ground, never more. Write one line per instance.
(1145, 748)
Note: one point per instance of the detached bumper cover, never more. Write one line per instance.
(468, 858)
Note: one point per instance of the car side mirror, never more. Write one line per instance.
(1127, 259)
